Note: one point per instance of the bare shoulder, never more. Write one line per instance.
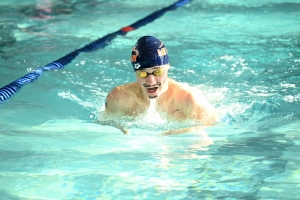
(120, 91)
(119, 96)
(194, 102)
(120, 100)
(184, 91)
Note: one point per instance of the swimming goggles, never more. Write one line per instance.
(157, 72)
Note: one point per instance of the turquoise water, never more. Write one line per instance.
(244, 56)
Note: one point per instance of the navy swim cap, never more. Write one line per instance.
(148, 52)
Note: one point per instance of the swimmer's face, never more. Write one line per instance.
(153, 81)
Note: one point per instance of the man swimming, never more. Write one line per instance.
(174, 100)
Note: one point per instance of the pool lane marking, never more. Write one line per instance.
(12, 88)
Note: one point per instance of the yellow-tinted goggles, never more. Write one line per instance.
(157, 72)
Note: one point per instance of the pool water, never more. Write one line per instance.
(243, 55)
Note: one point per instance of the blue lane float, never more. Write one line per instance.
(11, 89)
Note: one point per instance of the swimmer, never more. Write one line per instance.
(177, 101)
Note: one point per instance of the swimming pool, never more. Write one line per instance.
(243, 55)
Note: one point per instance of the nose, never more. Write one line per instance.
(151, 79)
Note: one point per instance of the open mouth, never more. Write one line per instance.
(152, 90)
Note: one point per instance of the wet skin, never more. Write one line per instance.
(177, 101)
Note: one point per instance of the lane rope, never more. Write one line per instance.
(12, 88)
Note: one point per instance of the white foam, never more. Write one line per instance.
(151, 115)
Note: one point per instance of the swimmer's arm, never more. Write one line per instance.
(113, 123)
(205, 139)
(110, 117)
(113, 111)
(183, 130)
(111, 120)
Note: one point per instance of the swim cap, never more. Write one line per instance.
(148, 52)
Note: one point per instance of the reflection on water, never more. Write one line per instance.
(241, 166)
(88, 160)
(47, 9)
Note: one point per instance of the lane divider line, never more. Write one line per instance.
(12, 88)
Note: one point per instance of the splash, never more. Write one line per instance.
(151, 115)
(74, 98)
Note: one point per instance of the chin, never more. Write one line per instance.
(153, 97)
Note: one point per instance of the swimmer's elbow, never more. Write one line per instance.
(110, 104)
(210, 120)
(206, 115)
(211, 115)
